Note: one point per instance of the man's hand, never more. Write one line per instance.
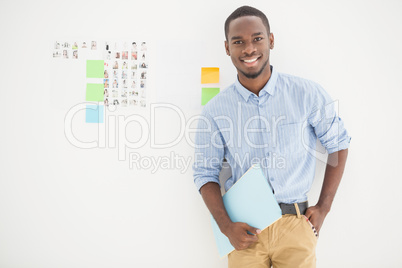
(316, 216)
(235, 231)
(333, 174)
(238, 236)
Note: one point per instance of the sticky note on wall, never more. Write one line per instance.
(209, 75)
(94, 113)
(94, 92)
(208, 93)
(95, 68)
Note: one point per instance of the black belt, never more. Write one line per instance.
(291, 209)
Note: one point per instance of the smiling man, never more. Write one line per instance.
(263, 116)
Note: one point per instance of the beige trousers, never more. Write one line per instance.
(289, 242)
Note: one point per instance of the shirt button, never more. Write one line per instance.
(272, 179)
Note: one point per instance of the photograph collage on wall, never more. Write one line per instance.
(125, 74)
(125, 68)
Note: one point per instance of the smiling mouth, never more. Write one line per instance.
(250, 61)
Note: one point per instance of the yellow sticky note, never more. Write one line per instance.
(209, 75)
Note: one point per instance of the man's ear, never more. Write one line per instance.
(227, 48)
(271, 41)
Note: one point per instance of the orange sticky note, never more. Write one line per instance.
(209, 75)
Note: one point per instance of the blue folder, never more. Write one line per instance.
(249, 200)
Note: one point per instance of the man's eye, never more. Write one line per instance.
(238, 42)
(258, 39)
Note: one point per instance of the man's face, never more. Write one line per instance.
(248, 45)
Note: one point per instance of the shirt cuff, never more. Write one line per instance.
(204, 180)
(340, 146)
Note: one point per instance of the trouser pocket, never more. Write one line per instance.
(311, 226)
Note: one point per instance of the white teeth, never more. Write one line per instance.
(248, 61)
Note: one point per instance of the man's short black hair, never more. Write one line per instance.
(246, 11)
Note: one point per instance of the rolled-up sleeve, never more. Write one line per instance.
(328, 126)
(209, 151)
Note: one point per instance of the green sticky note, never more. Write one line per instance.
(95, 68)
(94, 92)
(208, 93)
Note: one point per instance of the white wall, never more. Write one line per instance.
(62, 206)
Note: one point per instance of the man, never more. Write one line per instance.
(273, 119)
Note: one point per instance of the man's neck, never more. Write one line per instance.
(255, 85)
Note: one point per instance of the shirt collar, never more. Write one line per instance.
(269, 86)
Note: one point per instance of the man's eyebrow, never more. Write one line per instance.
(239, 37)
(255, 34)
(235, 37)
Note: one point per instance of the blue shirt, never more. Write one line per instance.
(277, 129)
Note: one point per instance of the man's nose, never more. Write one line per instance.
(249, 48)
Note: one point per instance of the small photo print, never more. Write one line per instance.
(133, 85)
(144, 75)
(75, 45)
(116, 102)
(142, 84)
(143, 65)
(106, 74)
(106, 102)
(115, 73)
(106, 83)
(124, 94)
(115, 83)
(116, 65)
(124, 102)
(124, 55)
(108, 55)
(93, 45)
(106, 93)
(143, 46)
(75, 54)
(143, 56)
(133, 55)
(132, 74)
(124, 65)
(134, 46)
(134, 65)
(133, 93)
(65, 45)
(124, 83)
(143, 103)
(114, 94)
(143, 93)
(132, 103)
(57, 54)
(124, 75)
(84, 45)
(117, 55)
(65, 54)
(56, 45)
